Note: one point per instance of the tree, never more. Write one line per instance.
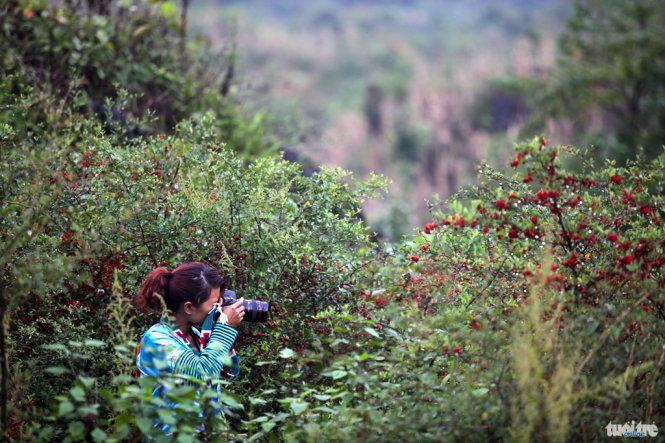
(610, 77)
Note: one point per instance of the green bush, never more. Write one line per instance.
(533, 299)
(86, 55)
(531, 309)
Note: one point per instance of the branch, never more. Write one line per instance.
(496, 273)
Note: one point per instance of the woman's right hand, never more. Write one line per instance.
(234, 312)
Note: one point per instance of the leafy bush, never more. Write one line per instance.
(531, 309)
(87, 55)
(108, 208)
(531, 301)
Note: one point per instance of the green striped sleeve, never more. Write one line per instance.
(209, 363)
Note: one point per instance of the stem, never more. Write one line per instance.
(489, 283)
(571, 248)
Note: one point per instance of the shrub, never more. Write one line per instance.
(116, 207)
(530, 309)
(89, 54)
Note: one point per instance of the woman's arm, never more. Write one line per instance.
(211, 360)
(162, 352)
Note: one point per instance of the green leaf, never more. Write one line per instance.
(298, 406)
(64, 408)
(98, 435)
(373, 332)
(144, 424)
(88, 382)
(267, 427)
(185, 438)
(77, 393)
(76, 429)
(230, 401)
(94, 343)
(57, 370)
(168, 9)
(480, 392)
(56, 347)
(336, 375)
(287, 353)
(259, 419)
(167, 416)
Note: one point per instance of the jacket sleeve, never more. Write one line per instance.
(162, 352)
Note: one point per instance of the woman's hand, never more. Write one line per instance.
(235, 312)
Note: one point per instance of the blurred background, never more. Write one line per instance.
(422, 90)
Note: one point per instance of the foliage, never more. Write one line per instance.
(609, 81)
(92, 53)
(529, 308)
(528, 303)
(532, 311)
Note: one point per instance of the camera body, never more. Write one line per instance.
(256, 311)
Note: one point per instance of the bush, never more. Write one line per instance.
(531, 309)
(108, 208)
(530, 301)
(87, 55)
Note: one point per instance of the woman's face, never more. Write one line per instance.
(199, 313)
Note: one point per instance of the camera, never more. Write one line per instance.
(256, 311)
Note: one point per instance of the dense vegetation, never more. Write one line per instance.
(530, 306)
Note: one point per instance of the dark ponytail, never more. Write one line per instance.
(192, 281)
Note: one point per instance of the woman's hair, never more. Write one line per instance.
(191, 281)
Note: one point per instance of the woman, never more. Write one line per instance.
(175, 346)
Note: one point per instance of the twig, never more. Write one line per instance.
(496, 273)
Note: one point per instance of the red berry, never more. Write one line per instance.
(501, 204)
(424, 248)
(617, 179)
(429, 227)
(571, 262)
(627, 259)
(612, 237)
(534, 219)
(414, 258)
(542, 194)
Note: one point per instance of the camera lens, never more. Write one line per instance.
(256, 311)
